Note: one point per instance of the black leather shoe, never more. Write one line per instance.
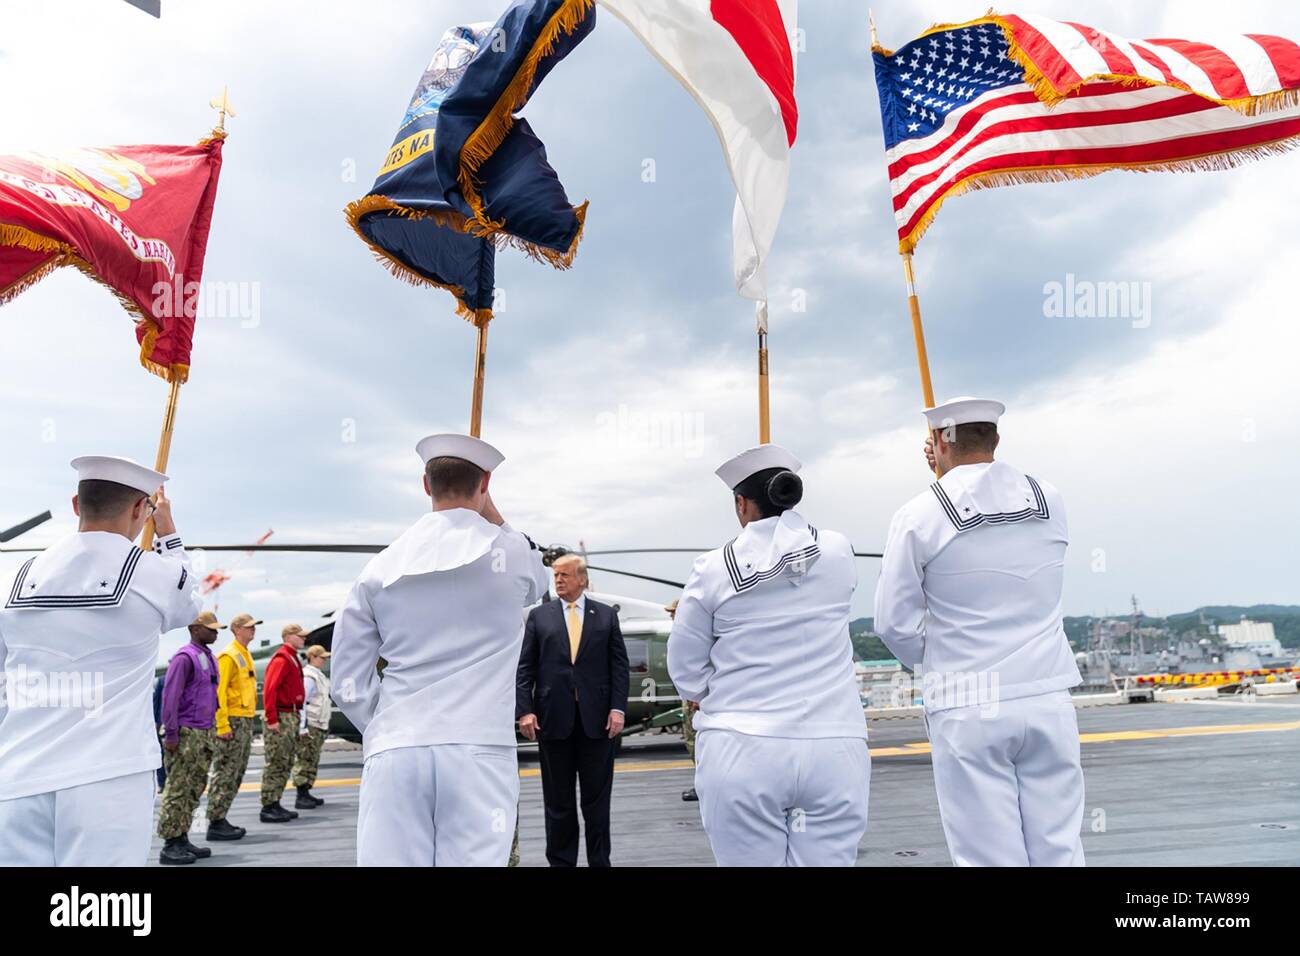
(690, 796)
(200, 852)
(174, 853)
(306, 800)
(223, 830)
(274, 813)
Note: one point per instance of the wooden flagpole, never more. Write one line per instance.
(164, 450)
(480, 369)
(918, 333)
(913, 303)
(222, 105)
(764, 404)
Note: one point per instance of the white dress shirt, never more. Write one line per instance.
(79, 634)
(580, 605)
(442, 605)
(580, 608)
(970, 587)
(761, 635)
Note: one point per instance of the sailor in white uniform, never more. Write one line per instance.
(761, 640)
(970, 593)
(79, 633)
(442, 606)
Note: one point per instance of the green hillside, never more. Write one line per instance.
(1285, 619)
(866, 646)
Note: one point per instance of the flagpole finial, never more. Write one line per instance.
(875, 40)
(222, 105)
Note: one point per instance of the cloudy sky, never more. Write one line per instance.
(615, 389)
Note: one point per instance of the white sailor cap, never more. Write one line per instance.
(964, 411)
(473, 450)
(759, 458)
(123, 471)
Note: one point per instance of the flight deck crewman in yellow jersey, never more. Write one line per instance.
(236, 710)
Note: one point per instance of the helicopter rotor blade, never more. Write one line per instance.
(282, 548)
(859, 554)
(293, 548)
(18, 529)
(557, 550)
(633, 574)
(652, 551)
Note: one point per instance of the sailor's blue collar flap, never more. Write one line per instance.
(965, 515)
(791, 551)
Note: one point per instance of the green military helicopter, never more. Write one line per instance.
(653, 703)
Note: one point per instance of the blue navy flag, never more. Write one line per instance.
(491, 165)
(404, 219)
(418, 218)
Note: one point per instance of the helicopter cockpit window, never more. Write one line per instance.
(638, 655)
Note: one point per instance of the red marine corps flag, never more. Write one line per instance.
(134, 218)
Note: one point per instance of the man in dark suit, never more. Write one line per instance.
(571, 697)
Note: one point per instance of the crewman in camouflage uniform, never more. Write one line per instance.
(236, 712)
(282, 698)
(688, 737)
(313, 728)
(189, 708)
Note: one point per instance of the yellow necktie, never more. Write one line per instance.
(575, 632)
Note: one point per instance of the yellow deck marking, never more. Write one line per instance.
(1207, 730)
(641, 766)
(906, 750)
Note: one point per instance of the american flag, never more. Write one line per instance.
(1007, 99)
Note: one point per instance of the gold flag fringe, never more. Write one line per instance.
(1208, 162)
(66, 255)
(171, 373)
(559, 260)
(368, 204)
(400, 270)
(1049, 95)
(355, 210)
(23, 283)
(21, 236)
(489, 135)
(1267, 103)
